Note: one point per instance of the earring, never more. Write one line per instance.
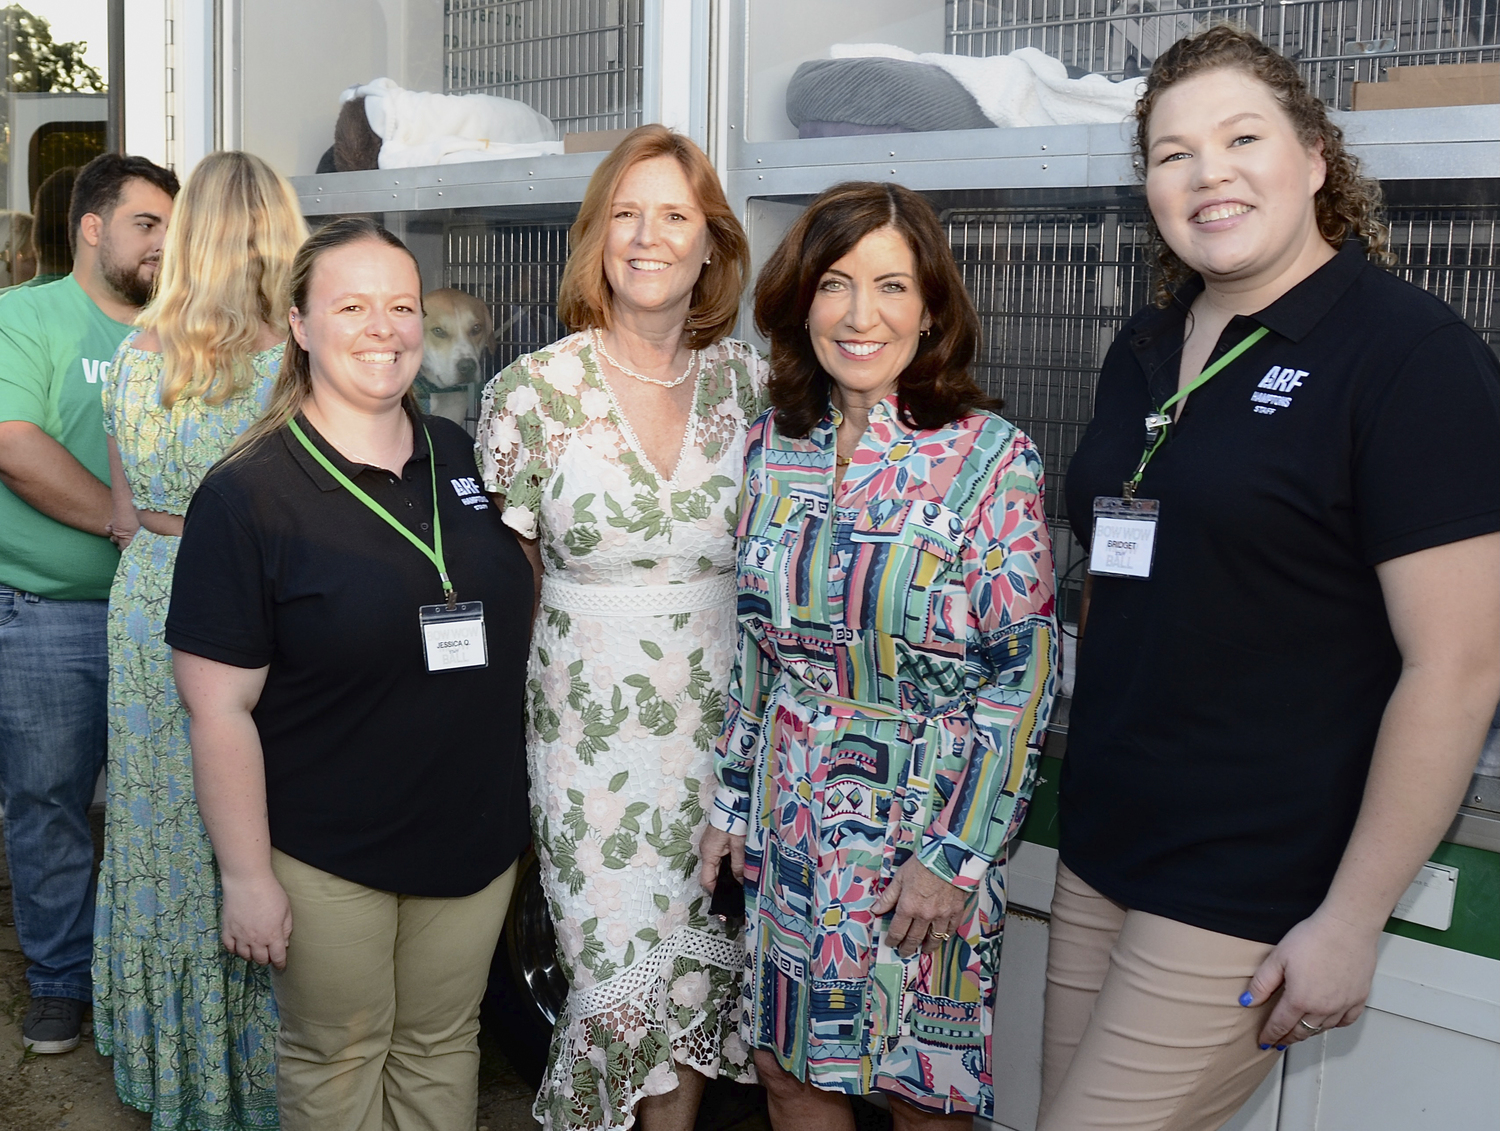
(805, 326)
(706, 262)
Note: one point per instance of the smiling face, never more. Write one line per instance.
(657, 239)
(867, 317)
(1230, 184)
(362, 326)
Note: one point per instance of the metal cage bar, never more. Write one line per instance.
(1334, 42)
(514, 270)
(577, 61)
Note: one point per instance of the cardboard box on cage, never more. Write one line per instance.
(1455, 84)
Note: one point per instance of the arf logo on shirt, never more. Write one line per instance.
(1272, 391)
(470, 493)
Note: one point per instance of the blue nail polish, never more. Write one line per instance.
(1263, 1048)
(1246, 998)
(1281, 1048)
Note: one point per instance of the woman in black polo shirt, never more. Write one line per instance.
(1292, 646)
(350, 621)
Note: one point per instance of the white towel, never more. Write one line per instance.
(419, 128)
(1025, 88)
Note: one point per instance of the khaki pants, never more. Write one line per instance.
(379, 1004)
(1144, 1030)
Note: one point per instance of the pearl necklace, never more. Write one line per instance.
(694, 360)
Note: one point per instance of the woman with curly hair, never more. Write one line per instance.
(893, 678)
(1292, 644)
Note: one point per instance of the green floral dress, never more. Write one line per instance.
(630, 664)
(192, 1028)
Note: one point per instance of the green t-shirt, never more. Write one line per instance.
(55, 351)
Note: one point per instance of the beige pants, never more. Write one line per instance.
(1144, 1030)
(379, 1004)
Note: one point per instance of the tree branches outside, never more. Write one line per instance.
(37, 63)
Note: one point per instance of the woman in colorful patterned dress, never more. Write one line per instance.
(191, 1028)
(616, 454)
(894, 675)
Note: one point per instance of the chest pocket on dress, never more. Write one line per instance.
(907, 575)
(768, 536)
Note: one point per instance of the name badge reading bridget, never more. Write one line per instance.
(453, 639)
(1124, 536)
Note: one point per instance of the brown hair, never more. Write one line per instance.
(936, 387)
(1348, 203)
(294, 378)
(584, 295)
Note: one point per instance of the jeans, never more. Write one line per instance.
(54, 672)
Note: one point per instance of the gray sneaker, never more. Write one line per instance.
(52, 1025)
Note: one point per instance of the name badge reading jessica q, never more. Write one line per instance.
(1124, 536)
(453, 639)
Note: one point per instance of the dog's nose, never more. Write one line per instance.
(468, 369)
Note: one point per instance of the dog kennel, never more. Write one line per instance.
(1048, 226)
(1334, 42)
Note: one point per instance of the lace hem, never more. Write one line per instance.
(660, 1009)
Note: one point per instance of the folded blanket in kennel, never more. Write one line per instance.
(861, 87)
(829, 97)
(420, 128)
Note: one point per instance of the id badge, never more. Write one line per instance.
(453, 639)
(1124, 536)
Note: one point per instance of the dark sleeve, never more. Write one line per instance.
(1427, 449)
(221, 596)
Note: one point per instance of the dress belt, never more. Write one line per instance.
(840, 707)
(637, 600)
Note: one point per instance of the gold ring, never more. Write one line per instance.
(943, 935)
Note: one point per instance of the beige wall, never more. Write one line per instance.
(298, 55)
(785, 33)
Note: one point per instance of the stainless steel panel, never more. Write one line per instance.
(558, 179)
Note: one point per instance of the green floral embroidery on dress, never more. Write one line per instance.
(625, 700)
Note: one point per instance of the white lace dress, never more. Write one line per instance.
(630, 663)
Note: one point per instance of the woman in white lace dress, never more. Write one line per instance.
(616, 453)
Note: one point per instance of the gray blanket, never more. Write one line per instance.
(878, 95)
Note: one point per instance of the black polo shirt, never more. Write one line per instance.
(1226, 708)
(376, 770)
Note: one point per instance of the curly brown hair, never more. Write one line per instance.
(935, 388)
(1348, 203)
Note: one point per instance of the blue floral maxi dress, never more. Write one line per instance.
(192, 1028)
(892, 686)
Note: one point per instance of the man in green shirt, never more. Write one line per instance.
(56, 567)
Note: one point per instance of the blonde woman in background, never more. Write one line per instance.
(17, 259)
(191, 1027)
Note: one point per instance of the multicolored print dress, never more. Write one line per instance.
(629, 665)
(893, 681)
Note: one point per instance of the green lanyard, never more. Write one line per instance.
(435, 554)
(1158, 422)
